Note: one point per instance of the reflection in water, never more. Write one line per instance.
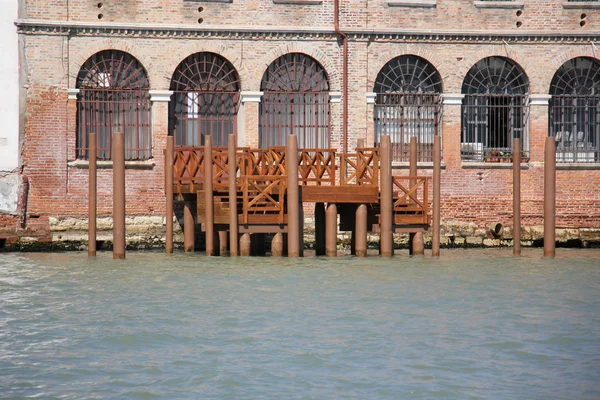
(471, 324)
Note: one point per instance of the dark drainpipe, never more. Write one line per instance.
(336, 22)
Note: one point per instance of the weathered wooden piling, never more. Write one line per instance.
(189, 225)
(169, 195)
(360, 237)
(386, 202)
(331, 230)
(516, 196)
(233, 212)
(118, 160)
(417, 243)
(223, 242)
(293, 198)
(92, 196)
(437, 174)
(550, 198)
(209, 222)
(245, 245)
(277, 245)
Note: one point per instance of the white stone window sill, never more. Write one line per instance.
(420, 165)
(148, 164)
(412, 3)
(499, 4)
(581, 4)
(299, 2)
(491, 165)
(578, 166)
(213, 1)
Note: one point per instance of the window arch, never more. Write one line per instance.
(494, 110)
(407, 103)
(113, 97)
(205, 100)
(575, 110)
(295, 101)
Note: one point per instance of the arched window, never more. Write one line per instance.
(205, 101)
(408, 104)
(113, 97)
(575, 110)
(494, 110)
(295, 101)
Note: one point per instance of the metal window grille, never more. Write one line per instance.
(575, 111)
(295, 101)
(113, 98)
(404, 115)
(205, 101)
(408, 104)
(495, 110)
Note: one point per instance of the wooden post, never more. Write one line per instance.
(386, 202)
(223, 239)
(169, 195)
(550, 198)
(331, 230)
(320, 229)
(118, 159)
(360, 241)
(516, 196)
(417, 243)
(245, 245)
(233, 214)
(293, 197)
(277, 245)
(209, 221)
(189, 225)
(435, 234)
(92, 197)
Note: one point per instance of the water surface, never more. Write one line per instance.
(473, 324)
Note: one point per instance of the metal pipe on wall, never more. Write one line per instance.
(550, 197)
(336, 23)
(169, 195)
(435, 234)
(516, 196)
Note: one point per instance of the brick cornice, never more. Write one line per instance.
(48, 27)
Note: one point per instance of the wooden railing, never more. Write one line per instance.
(360, 168)
(411, 195)
(263, 195)
(316, 167)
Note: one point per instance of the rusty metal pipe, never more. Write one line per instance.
(360, 242)
(93, 195)
(169, 195)
(209, 221)
(331, 230)
(516, 196)
(293, 197)
(336, 23)
(233, 212)
(550, 198)
(386, 202)
(435, 234)
(118, 159)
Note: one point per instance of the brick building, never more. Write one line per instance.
(478, 73)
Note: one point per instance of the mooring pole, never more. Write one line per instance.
(417, 243)
(118, 159)
(245, 245)
(360, 241)
(550, 198)
(331, 230)
(188, 227)
(386, 202)
(209, 222)
(169, 195)
(516, 196)
(223, 241)
(293, 197)
(437, 174)
(92, 197)
(233, 216)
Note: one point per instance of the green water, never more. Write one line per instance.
(473, 324)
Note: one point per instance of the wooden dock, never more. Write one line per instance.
(270, 192)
